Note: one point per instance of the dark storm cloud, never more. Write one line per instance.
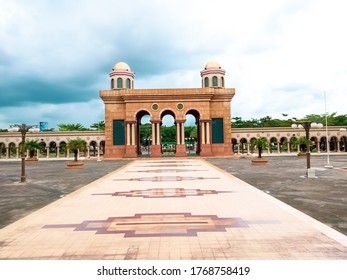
(31, 89)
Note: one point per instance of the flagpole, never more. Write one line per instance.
(328, 165)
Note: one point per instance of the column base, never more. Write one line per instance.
(130, 151)
(181, 150)
(156, 151)
(206, 150)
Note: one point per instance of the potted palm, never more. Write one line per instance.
(301, 143)
(260, 143)
(32, 146)
(75, 146)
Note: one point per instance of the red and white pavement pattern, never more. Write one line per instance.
(170, 209)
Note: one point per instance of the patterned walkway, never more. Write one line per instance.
(170, 209)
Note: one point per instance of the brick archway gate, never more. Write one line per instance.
(210, 105)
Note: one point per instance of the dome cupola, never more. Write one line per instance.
(212, 75)
(121, 76)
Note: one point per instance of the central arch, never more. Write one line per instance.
(168, 135)
(194, 143)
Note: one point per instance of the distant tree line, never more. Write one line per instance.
(332, 120)
(169, 132)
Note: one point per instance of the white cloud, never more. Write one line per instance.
(279, 55)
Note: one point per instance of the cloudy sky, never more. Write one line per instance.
(280, 55)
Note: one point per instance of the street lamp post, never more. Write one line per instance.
(23, 129)
(307, 126)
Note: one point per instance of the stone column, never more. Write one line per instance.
(158, 134)
(238, 147)
(338, 146)
(58, 152)
(128, 133)
(88, 151)
(248, 148)
(98, 150)
(178, 137)
(207, 133)
(7, 152)
(288, 147)
(133, 142)
(318, 146)
(278, 147)
(180, 145)
(182, 134)
(203, 133)
(17, 152)
(153, 134)
(47, 152)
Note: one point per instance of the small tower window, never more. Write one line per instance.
(214, 81)
(128, 83)
(112, 84)
(206, 81)
(222, 81)
(119, 83)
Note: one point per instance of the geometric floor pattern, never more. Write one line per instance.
(157, 225)
(164, 193)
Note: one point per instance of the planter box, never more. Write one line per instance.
(75, 164)
(259, 161)
(31, 160)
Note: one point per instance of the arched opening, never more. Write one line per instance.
(284, 145)
(13, 151)
(112, 83)
(314, 144)
(62, 149)
(144, 133)
(214, 81)
(234, 145)
(343, 144)
(323, 144)
(128, 83)
(293, 144)
(206, 82)
(273, 144)
(243, 144)
(93, 148)
(52, 151)
(2, 150)
(119, 83)
(168, 133)
(192, 132)
(333, 144)
(222, 79)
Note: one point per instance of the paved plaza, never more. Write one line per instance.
(172, 209)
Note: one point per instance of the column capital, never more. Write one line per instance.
(205, 121)
(155, 121)
(180, 121)
(130, 122)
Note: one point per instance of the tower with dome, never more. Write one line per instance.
(125, 107)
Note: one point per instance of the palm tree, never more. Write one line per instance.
(261, 143)
(76, 145)
(71, 127)
(98, 125)
(301, 141)
(32, 146)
